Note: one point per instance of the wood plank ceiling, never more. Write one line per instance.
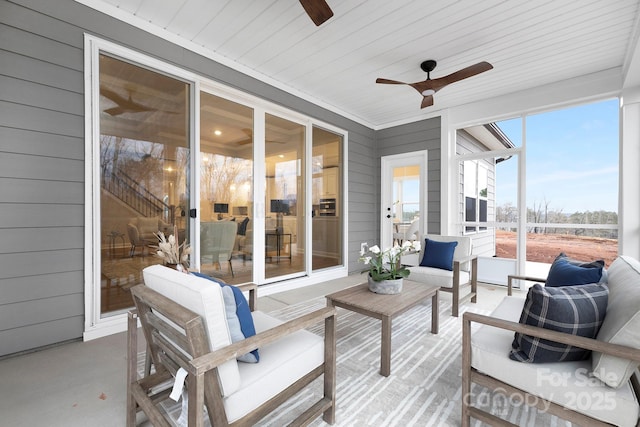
(529, 43)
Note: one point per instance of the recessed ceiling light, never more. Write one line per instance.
(281, 156)
(217, 132)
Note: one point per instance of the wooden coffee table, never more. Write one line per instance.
(385, 307)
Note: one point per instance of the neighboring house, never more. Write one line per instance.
(477, 194)
(49, 204)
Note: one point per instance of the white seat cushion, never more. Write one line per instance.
(568, 384)
(203, 297)
(436, 276)
(281, 364)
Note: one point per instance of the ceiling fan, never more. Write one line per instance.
(124, 105)
(318, 10)
(429, 87)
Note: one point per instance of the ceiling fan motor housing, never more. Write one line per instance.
(428, 65)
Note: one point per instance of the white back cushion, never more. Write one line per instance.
(203, 297)
(621, 325)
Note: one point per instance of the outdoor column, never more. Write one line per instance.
(629, 196)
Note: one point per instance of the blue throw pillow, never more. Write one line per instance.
(438, 254)
(598, 263)
(577, 310)
(238, 316)
(563, 272)
(242, 227)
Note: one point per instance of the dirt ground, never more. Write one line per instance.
(545, 248)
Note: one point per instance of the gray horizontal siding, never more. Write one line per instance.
(46, 333)
(41, 143)
(39, 287)
(484, 242)
(418, 136)
(363, 199)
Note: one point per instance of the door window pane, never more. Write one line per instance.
(406, 201)
(284, 197)
(144, 171)
(226, 189)
(327, 200)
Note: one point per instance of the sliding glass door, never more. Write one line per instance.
(328, 197)
(256, 190)
(284, 197)
(144, 172)
(226, 189)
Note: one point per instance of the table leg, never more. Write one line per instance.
(435, 314)
(385, 347)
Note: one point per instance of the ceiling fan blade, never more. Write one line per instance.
(318, 10)
(124, 105)
(390, 82)
(465, 73)
(112, 95)
(427, 101)
(115, 111)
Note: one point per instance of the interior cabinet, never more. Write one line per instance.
(329, 183)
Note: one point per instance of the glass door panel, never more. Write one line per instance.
(406, 203)
(226, 189)
(327, 197)
(144, 172)
(403, 198)
(284, 197)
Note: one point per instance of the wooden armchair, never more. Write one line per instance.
(597, 387)
(462, 274)
(512, 277)
(613, 401)
(177, 337)
(217, 240)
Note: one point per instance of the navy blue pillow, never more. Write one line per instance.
(577, 310)
(242, 227)
(243, 311)
(438, 254)
(565, 273)
(598, 263)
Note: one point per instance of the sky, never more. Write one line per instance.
(571, 159)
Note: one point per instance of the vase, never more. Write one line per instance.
(385, 287)
(174, 266)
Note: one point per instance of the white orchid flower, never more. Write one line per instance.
(374, 249)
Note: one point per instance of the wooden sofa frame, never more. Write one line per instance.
(471, 375)
(456, 299)
(185, 345)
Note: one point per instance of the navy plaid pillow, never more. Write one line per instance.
(577, 310)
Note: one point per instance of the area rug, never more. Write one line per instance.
(424, 387)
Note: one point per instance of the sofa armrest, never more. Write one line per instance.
(462, 260)
(511, 277)
(209, 361)
(252, 288)
(617, 350)
(472, 259)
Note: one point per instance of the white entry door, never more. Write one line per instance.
(403, 196)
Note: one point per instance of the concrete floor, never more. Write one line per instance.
(84, 383)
